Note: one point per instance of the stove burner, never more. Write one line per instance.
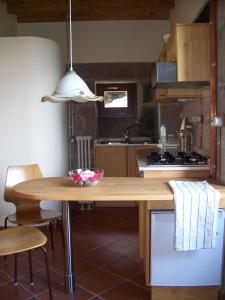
(182, 158)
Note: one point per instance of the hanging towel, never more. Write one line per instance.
(196, 206)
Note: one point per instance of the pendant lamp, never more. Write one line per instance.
(71, 86)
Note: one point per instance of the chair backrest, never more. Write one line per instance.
(17, 174)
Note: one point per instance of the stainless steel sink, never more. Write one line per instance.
(139, 142)
(132, 140)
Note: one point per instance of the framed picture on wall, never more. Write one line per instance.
(120, 99)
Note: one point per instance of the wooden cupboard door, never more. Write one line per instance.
(193, 57)
(189, 46)
(132, 151)
(113, 159)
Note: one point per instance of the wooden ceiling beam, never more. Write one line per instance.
(32, 6)
(19, 6)
(161, 4)
(91, 16)
(89, 10)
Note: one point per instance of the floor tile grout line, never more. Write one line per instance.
(91, 263)
(102, 245)
(97, 228)
(106, 220)
(109, 289)
(35, 272)
(137, 284)
(104, 264)
(98, 297)
(122, 282)
(124, 278)
(106, 246)
(111, 273)
(87, 290)
(27, 290)
(53, 287)
(9, 277)
(19, 277)
(77, 285)
(113, 261)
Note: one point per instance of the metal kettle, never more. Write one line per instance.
(185, 136)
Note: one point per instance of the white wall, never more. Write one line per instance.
(30, 131)
(186, 11)
(106, 41)
(8, 23)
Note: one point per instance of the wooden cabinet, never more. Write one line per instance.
(119, 160)
(189, 46)
(171, 94)
(132, 167)
(113, 159)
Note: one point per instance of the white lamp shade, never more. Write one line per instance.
(72, 87)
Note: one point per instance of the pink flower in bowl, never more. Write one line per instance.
(86, 177)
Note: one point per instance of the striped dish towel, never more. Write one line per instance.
(196, 205)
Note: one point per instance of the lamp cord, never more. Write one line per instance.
(70, 36)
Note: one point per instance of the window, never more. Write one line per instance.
(120, 99)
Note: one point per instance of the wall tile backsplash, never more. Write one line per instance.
(171, 115)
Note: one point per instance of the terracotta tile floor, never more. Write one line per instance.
(106, 263)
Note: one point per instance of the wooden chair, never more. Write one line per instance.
(27, 211)
(19, 239)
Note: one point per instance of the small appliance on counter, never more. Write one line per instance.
(163, 134)
(185, 136)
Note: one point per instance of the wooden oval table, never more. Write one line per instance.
(155, 191)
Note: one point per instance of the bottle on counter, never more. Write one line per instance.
(163, 134)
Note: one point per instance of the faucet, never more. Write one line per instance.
(127, 133)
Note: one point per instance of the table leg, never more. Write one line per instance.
(69, 272)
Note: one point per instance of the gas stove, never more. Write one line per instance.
(181, 159)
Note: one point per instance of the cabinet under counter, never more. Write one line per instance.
(120, 159)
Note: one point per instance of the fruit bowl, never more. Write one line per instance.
(86, 177)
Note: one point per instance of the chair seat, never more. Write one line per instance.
(34, 216)
(19, 239)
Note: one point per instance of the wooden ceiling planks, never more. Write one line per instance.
(29, 11)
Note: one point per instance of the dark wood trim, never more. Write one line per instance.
(213, 89)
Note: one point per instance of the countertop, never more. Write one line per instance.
(155, 191)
